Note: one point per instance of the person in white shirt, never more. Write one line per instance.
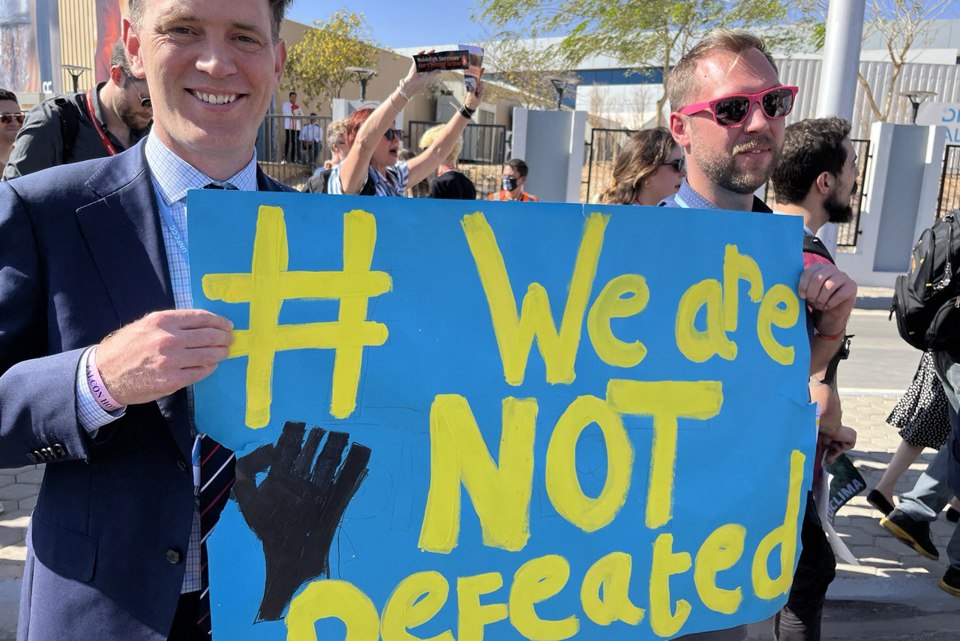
(311, 141)
(291, 127)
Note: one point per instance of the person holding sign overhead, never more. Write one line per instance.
(728, 108)
(373, 157)
(100, 344)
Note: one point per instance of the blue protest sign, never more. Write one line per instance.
(459, 420)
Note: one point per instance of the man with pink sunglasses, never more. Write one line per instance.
(728, 117)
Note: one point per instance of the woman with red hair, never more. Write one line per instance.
(375, 144)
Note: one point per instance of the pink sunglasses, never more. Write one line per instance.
(731, 111)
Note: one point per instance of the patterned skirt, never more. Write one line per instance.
(921, 413)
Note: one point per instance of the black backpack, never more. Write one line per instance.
(69, 125)
(925, 298)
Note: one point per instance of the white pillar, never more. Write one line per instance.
(838, 73)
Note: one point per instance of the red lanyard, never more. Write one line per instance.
(96, 125)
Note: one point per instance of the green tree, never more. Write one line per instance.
(636, 33)
(317, 64)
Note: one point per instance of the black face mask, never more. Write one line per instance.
(509, 184)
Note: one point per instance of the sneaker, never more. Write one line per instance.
(911, 532)
(950, 582)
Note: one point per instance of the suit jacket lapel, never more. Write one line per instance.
(122, 229)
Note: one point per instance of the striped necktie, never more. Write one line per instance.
(216, 478)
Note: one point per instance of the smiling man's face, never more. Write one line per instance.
(212, 67)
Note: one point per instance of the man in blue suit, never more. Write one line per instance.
(98, 341)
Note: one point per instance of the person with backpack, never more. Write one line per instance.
(927, 307)
(89, 124)
(816, 178)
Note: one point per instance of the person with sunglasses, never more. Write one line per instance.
(96, 123)
(728, 108)
(373, 157)
(648, 169)
(11, 120)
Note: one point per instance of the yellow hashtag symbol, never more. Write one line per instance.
(269, 284)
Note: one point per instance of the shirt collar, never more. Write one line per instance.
(175, 176)
(690, 198)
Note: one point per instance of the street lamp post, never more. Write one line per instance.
(560, 83)
(363, 74)
(75, 73)
(916, 96)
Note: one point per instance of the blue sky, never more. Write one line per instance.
(402, 24)
(418, 22)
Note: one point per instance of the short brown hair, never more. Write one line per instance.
(118, 58)
(278, 9)
(683, 80)
(518, 166)
(8, 95)
(810, 147)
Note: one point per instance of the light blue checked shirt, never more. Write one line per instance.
(689, 198)
(172, 177)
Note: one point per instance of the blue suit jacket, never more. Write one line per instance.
(81, 255)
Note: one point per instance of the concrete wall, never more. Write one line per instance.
(551, 143)
(901, 201)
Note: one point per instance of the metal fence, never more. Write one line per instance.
(484, 152)
(848, 233)
(284, 157)
(601, 152)
(949, 197)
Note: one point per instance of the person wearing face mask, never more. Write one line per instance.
(512, 181)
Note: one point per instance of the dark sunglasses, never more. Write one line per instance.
(678, 165)
(7, 118)
(731, 111)
(393, 133)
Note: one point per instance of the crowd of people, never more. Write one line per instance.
(100, 344)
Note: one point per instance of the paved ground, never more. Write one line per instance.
(892, 595)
